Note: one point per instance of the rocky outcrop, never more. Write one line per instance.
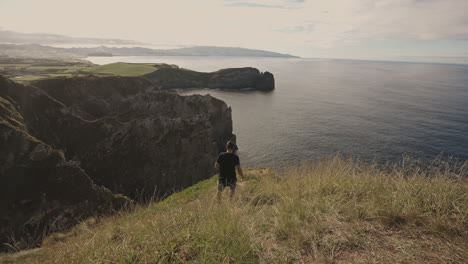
(231, 79)
(62, 139)
(266, 82)
(137, 139)
(40, 192)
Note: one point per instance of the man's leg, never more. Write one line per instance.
(220, 191)
(232, 186)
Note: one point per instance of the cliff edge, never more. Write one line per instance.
(169, 77)
(68, 145)
(230, 79)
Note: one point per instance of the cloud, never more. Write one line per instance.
(296, 29)
(352, 21)
(289, 26)
(246, 4)
(282, 4)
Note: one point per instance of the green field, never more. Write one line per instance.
(331, 211)
(26, 70)
(122, 69)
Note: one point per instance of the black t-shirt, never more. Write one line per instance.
(227, 163)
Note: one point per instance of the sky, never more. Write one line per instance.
(359, 29)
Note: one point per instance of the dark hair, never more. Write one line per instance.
(230, 145)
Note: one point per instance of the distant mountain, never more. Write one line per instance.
(36, 51)
(38, 45)
(12, 37)
(224, 51)
(41, 51)
(191, 51)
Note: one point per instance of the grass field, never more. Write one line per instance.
(122, 69)
(26, 70)
(331, 211)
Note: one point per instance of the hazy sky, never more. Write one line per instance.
(308, 28)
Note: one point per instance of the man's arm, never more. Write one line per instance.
(239, 171)
(217, 165)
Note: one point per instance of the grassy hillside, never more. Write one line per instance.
(333, 211)
(122, 69)
(25, 70)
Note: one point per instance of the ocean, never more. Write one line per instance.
(369, 110)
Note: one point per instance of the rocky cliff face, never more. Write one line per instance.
(40, 192)
(232, 79)
(62, 139)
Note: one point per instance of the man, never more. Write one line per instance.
(227, 164)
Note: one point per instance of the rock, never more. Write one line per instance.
(231, 79)
(39, 191)
(93, 97)
(266, 82)
(68, 144)
(139, 142)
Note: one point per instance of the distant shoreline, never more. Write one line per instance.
(50, 52)
(91, 59)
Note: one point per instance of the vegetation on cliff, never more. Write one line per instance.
(331, 211)
(122, 69)
(162, 75)
(25, 70)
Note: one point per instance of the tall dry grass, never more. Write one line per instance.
(329, 211)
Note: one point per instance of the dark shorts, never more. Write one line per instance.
(223, 183)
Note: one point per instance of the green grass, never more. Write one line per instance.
(123, 69)
(331, 211)
(24, 71)
(10, 116)
(29, 78)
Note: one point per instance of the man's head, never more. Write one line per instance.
(230, 145)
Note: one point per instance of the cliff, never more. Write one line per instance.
(162, 75)
(40, 191)
(232, 79)
(68, 144)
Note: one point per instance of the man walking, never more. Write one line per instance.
(227, 164)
